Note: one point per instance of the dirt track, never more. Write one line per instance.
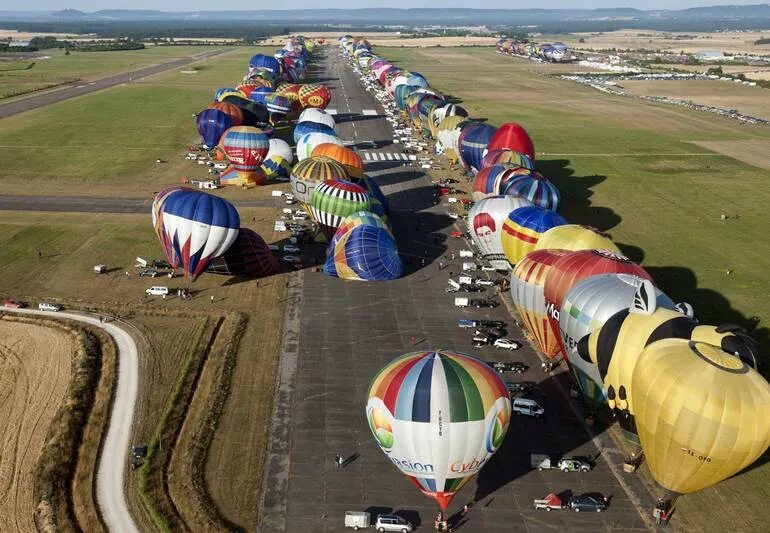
(34, 372)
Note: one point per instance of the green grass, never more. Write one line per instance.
(107, 142)
(58, 68)
(628, 167)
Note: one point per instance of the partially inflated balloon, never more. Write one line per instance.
(512, 157)
(343, 155)
(536, 188)
(524, 227)
(249, 255)
(231, 110)
(512, 136)
(485, 224)
(575, 237)
(333, 200)
(310, 172)
(473, 145)
(492, 180)
(439, 416)
(365, 252)
(702, 414)
(245, 147)
(311, 95)
(212, 123)
(307, 143)
(527, 287)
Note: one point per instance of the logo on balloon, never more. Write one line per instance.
(381, 427)
(315, 101)
(497, 428)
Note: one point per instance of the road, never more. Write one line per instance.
(94, 204)
(341, 333)
(57, 95)
(115, 450)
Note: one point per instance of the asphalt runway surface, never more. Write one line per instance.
(338, 334)
(96, 204)
(81, 88)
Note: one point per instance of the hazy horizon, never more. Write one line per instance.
(248, 5)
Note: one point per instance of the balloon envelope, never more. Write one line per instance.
(249, 255)
(333, 200)
(536, 188)
(513, 136)
(485, 224)
(439, 416)
(212, 123)
(364, 252)
(524, 227)
(576, 237)
(310, 172)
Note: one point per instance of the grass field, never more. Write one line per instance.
(32, 387)
(85, 153)
(54, 67)
(633, 168)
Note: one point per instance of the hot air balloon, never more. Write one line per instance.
(157, 223)
(379, 202)
(310, 172)
(527, 286)
(249, 255)
(512, 136)
(253, 113)
(311, 95)
(536, 188)
(197, 227)
(473, 145)
(316, 115)
(343, 155)
(485, 224)
(439, 416)
(212, 123)
(585, 308)
(702, 414)
(438, 114)
(524, 227)
(231, 110)
(504, 156)
(307, 143)
(448, 137)
(245, 147)
(221, 95)
(266, 62)
(305, 128)
(277, 106)
(576, 237)
(490, 181)
(364, 252)
(231, 176)
(333, 200)
(278, 160)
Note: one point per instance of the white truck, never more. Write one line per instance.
(462, 302)
(469, 267)
(466, 253)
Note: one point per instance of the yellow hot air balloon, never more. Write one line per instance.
(702, 413)
(575, 237)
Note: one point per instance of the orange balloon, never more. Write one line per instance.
(231, 110)
(343, 155)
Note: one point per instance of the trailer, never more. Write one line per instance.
(357, 519)
(550, 502)
(541, 461)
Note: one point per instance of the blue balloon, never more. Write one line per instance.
(212, 123)
(366, 253)
(305, 127)
(473, 143)
(222, 91)
(266, 62)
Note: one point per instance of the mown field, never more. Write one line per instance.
(633, 169)
(106, 143)
(22, 74)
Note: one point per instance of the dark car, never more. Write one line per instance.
(517, 367)
(524, 387)
(478, 304)
(590, 501)
(491, 331)
(479, 338)
(491, 323)
(148, 273)
(471, 288)
(159, 263)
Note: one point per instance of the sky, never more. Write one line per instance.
(251, 5)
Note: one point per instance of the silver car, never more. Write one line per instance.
(392, 522)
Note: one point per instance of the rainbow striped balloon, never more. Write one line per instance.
(439, 416)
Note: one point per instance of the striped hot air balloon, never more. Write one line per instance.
(245, 147)
(333, 200)
(307, 143)
(511, 157)
(212, 123)
(473, 145)
(363, 251)
(536, 188)
(491, 180)
(310, 172)
(524, 227)
(439, 416)
(233, 111)
(278, 160)
(343, 155)
(249, 255)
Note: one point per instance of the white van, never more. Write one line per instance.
(469, 267)
(466, 253)
(527, 406)
(45, 306)
(462, 302)
(157, 291)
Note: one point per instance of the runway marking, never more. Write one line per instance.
(387, 156)
(369, 112)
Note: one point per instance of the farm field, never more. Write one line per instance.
(733, 42)
(54, 67)
(88, 155)
(754, 101)
(34, 373)
(634, 169)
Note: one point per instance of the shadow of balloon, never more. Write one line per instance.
(634, 253)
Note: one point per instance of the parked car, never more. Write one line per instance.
(483, 339)
(590, 501)
(520, 387)
(470, 288)
(517, 367)
(291, 248)
(159, 263)
(528, 407)
(493, 331)
(290, 258)
(148, 273)
(483, 282)
(14, 304)
(486, 268)
(392, 522)
(491, 323)
(478, 304)
(572, 464)
(507, 344)
(47, 306)
(157, 291)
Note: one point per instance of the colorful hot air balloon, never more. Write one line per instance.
(266, 62)
(527, 286)
(311, 95)
(304, 128)
(510, 157)
(307, 143)
(333, 200)
(245, 147)
(310, 172)
(585, 308)
(157, 223)
(448, 137)
(702, 414)
(492, 180)
(378, 200)
(512, 136)
(249, 255)
(317, 115)
(231, 110)
(278, 160)
(231, 176)
(536, 188)
(439, 416)
(485, 224)
(277, 106)
(473, 145)
(524, 227)
(212, 123)
(197, 227)
(576, 237)
(343, 155)
(363, 252)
